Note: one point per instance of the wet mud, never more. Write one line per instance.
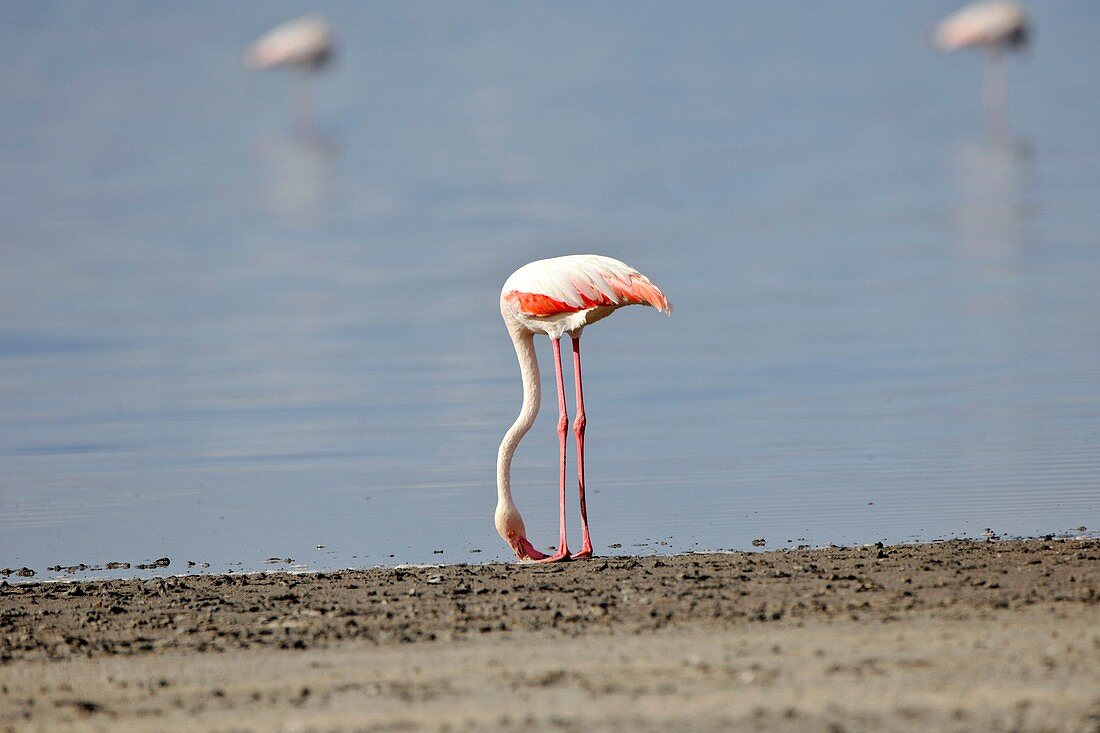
(855, 615)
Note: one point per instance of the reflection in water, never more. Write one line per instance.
(298, 179)
(991, 216)
(992, 240)
(991, 222)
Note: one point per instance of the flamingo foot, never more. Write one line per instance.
(562, 554)
(581, 554)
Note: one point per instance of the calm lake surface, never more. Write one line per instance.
(223, 341)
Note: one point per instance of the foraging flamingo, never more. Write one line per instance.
(558, 296)
(995, 25)
(302, 45)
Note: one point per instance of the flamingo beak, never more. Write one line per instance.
(525, 550)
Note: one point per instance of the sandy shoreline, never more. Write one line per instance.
(946, 636)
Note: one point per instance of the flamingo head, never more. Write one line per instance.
(511, 529)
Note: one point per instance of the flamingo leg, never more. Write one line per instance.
(578, 430)
(301, 104)
(563, 428)
(995, 93)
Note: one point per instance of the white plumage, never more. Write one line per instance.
(565, 294)
(987, 23)
(304, 43)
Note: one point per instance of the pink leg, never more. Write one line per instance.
(563, 428)
(578, 430)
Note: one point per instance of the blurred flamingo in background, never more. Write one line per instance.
(558, 296)
(996, 26)
(303, 46)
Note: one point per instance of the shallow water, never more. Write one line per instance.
(223, 340)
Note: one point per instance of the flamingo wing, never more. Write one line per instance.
(574, 283)
(983, 24)
(306, 41)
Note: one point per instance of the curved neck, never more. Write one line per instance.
(524, 341)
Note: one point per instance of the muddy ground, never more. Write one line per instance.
(959, 636)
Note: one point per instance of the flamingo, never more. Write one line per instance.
(303, 45)
(558, 296)
(995, 25)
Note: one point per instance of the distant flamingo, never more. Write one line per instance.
(303, 45)
(555, 297)
(995, 25)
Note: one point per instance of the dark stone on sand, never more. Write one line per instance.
(19, 572)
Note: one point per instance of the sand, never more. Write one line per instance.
(955, 636)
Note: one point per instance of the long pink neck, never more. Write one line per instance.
(524, 341)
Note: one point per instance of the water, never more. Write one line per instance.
(223, 341)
